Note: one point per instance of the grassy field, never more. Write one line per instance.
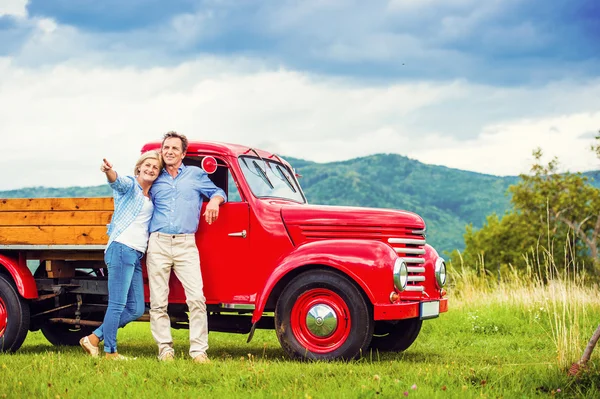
(509, 340)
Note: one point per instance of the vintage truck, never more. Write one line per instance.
(333, 282)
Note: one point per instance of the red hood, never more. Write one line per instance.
(347, 216)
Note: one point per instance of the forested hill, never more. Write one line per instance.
(448, 199)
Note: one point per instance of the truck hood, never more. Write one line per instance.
(317, 222)
(324, 215)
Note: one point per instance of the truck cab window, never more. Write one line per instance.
(222, 177)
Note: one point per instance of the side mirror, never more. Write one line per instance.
(209, 164)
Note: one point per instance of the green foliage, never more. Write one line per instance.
(555, 214)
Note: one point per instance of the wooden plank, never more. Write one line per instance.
(59, 268)
(53, 235)
(57, 204)
(68, 255)
(52, 218)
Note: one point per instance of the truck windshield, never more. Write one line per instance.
(270, 179)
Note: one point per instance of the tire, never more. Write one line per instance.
(396, 336)
(347, 337)
(60, 334)
(14, 316)
(65, 334)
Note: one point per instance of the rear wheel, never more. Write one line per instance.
(14, 317)
(396, 336)
(61, 333)
(321, 315)
(65, 334)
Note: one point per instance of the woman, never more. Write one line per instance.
(127, 242)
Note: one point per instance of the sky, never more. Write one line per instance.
(468, 84)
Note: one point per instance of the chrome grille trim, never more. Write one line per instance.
(410, 248)
(413, 260)
(412, 251)
(414, 288)
(412, 241)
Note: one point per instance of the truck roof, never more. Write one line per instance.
(215, 148)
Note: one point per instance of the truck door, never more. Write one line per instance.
(223, 248)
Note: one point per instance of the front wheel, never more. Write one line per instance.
(396, 336)
(321, 315)
(14, 317)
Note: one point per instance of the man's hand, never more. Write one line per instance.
(212, 209)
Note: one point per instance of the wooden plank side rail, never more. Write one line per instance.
(55, 221)
(57, 204)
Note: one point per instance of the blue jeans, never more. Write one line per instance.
(125, 292)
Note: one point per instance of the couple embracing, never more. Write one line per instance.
(157, 211)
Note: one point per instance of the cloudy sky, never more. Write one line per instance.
(469, 84)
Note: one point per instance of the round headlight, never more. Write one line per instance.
(440, 272)
(400, 274)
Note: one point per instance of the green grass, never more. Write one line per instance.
(490, 349)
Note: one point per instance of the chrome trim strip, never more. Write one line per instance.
(416, 278)
(412, 251)
(238, 306)
(413, 260)
(406, 241)
(414, 288)
(54, 247)
(416, 269)
(421, 232)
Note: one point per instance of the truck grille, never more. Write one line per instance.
(411, 251)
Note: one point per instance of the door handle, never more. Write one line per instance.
(240, 234)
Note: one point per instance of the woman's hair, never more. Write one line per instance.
(148, 154)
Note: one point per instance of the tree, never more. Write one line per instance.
(552, 213)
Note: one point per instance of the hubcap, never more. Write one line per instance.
(3, 318)
(321, 320)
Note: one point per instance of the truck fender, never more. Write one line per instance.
(21, 275)
(369, 263)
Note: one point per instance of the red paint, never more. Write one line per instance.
(3, 317)
(209, 164)
(21, 275)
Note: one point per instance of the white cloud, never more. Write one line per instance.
(16, 8)
(57, 123)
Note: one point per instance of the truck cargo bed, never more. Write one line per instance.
(54, 223)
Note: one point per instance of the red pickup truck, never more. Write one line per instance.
(333, 282)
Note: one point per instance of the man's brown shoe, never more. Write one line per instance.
(201, 358)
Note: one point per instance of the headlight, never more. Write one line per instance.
(440, 272)
(400, 274)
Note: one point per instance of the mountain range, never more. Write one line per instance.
(447, 199)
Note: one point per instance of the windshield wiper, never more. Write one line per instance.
(286, 179)
(263, 175)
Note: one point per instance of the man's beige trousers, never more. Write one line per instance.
(177, 252)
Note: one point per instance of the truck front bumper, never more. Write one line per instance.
(409, 310)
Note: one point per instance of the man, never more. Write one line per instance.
(177, 196)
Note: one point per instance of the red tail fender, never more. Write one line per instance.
(369, 263)
(21, 275)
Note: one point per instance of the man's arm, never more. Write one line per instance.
(212, 208)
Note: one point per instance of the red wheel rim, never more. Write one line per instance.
(3, 318)
(301, 331)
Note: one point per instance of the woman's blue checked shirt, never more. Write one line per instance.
(129, 199)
